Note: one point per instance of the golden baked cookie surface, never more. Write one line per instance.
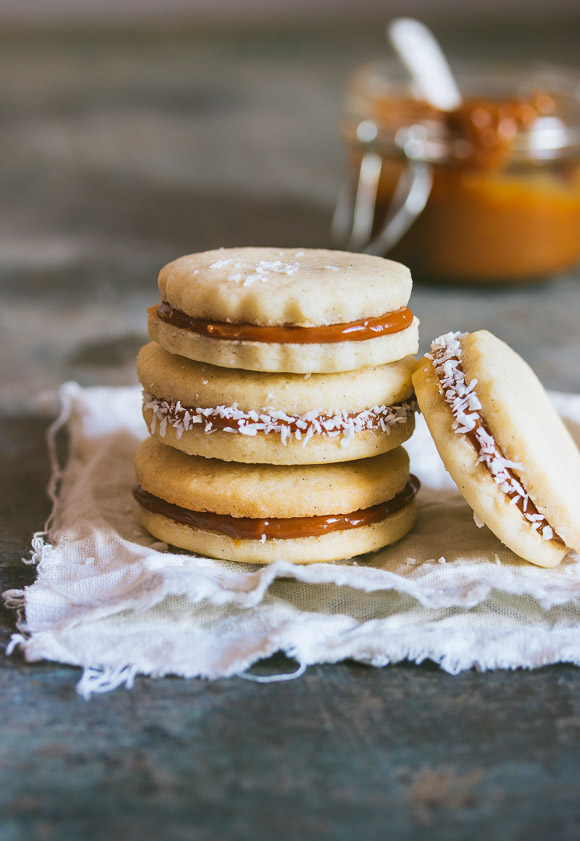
(201, 384)
(526, 430)
(275, 418)
(292, 286)
(264, 490)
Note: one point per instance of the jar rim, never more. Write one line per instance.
(554, 136)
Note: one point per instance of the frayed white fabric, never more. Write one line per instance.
(111, 599)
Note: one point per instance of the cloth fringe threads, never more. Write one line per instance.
(95, 681)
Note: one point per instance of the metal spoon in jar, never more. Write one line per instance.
(433, 82)
(421, 54)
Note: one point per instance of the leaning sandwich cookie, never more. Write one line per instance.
(263, 513)
(503, 443)
(285, 310)
(275, 418)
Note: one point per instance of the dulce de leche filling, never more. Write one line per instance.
(281, 528)
(352, 331)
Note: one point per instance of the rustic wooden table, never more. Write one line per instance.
(119, 152)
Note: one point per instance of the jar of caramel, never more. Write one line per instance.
(487, 193)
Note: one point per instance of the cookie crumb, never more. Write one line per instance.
(478, 521)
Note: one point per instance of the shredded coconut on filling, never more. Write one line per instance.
(465, 405)
(301, 427)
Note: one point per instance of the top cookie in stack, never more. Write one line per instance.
(291, 310)
(287, 361)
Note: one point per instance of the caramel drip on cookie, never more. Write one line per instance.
(352, 331)
(281, 528)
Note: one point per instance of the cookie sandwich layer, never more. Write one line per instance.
(279, 419)
(490, 418)
(288, 310)
(262, 513)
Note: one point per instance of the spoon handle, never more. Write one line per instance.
(421, 54)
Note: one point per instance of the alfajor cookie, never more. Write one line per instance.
(503, 443)
(285, 310)
(275, 418)
(262, 513)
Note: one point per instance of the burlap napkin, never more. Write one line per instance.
(111, 599)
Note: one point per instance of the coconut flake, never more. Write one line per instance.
(265, 268)
(478, 521)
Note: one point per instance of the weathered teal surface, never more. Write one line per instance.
(119, 152)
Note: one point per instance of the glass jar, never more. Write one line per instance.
(488, 193)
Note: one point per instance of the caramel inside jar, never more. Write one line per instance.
(496, 212)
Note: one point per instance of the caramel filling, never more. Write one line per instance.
(281, 528)
(353, 331)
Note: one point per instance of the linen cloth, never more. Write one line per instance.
(110, 598)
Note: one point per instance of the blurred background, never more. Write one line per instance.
(133, 132)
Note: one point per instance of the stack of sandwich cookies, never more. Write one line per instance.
(277, 391)
(503, 443)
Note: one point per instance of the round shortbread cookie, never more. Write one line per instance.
(306, 550)
(264, 490)
(271, 286)
(269, 494)
(522, 434)
(238, 415)
(264, 288)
